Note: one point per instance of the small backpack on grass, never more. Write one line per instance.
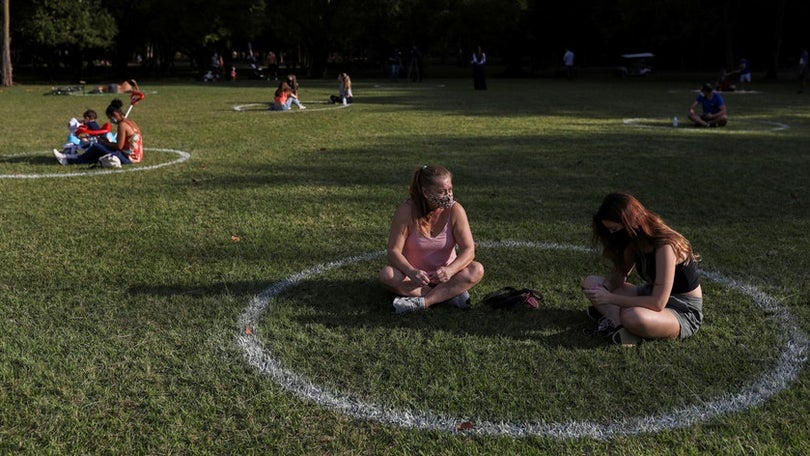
(513, 298)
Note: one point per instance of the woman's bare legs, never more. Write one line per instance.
(462, 281)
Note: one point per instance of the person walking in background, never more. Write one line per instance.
(395, 60)
(669, 305)
(803, 69)
(568, 60)
(714, 108)
(431, 253)
(479, 59)
(416, 65)
(271, 62)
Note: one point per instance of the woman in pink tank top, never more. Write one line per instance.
(430, 247)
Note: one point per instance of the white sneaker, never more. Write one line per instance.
(408, 304)
(302, 107)
(60, 157)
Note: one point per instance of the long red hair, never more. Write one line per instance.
(641, 228)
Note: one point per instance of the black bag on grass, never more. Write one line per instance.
(512, 298)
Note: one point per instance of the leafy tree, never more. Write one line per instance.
(66, 29)
(194, 28)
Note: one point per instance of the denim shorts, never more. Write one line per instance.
(687, 309)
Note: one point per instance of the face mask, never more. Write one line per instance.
(441, 201)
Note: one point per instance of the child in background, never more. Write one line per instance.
(89, 121)
(74, 144)
(83, 134)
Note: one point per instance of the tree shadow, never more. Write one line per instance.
(352, 305)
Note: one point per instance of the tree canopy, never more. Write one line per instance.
(525, 35)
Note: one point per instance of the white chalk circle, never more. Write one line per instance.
(786, 370)
(182, 156)
(266, 107)
(686, 125)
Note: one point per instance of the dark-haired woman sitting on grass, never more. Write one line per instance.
(670, 304)
(128, 148)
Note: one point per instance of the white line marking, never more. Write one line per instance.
(788, 366)
(266, 107)
(95, 172)
(687, 125)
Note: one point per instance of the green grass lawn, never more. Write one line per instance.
(195, 306)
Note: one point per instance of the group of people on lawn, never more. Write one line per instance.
(286, 94)
(89, 143)
(431, 261)
(431, 250)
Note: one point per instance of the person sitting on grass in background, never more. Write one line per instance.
(424, 268)
(714, 108)
(127, 86)
(127, 149)
(745, 73)
(284, 98)
(344, 90)
(292, 81)
(724, 83)
(670, 304)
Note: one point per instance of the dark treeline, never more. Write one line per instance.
(78, 38)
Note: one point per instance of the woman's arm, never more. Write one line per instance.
(464, 241)
(124, 131)
(396, 244)
(665, 261)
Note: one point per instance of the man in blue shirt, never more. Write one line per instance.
(714, 109)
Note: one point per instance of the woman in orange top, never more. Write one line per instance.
(128, 147)
(285, 97)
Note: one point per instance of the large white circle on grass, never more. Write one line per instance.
(787, 368)
(687, 125)
(309, 108)
(181, 157)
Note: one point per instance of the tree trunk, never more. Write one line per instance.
(8, 81)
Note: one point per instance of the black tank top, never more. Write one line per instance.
(686, 275)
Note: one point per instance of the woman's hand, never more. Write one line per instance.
(441, 275)
(420, 277)
(598, 295)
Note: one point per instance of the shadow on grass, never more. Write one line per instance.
(30, 160)
(236, 289)
(352, 305)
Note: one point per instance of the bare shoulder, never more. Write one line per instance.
(404, 210)
(457, 208)
(457, 212)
